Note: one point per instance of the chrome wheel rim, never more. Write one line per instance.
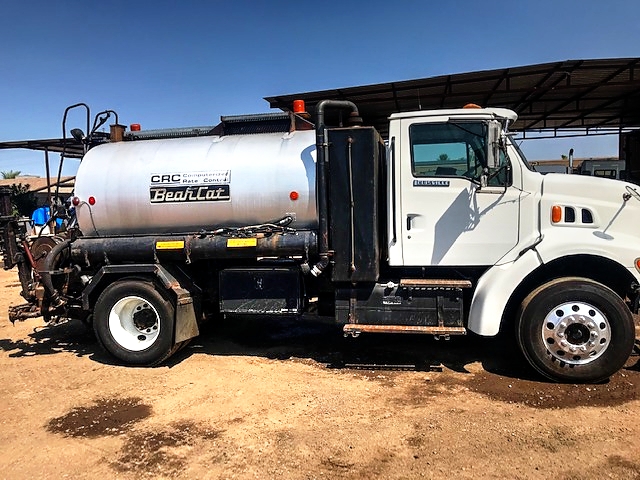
(576, 333)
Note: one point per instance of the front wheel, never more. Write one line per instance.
(134, 322)
(575, 330)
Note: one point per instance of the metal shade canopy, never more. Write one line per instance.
(589, 96)
(71, 147)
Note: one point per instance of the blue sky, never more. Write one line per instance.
(166, 64)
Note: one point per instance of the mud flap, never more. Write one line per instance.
(186, 322)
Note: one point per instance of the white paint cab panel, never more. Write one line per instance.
(447, 220)
(456, 225)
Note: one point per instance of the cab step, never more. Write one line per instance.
(408, 305)
(356, 329)
(434, 283)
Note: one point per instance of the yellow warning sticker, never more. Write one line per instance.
(170, 245)
(242, 242)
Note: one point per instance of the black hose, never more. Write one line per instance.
(49, 264)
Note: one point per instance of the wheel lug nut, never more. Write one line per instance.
(591, 325)
(562, 325)
(594, 334)
(564, 343)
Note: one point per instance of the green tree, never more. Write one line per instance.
(10, 174)
(23, 200)
(443, 157)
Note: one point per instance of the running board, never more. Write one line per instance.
(356, 329)
(439, 283)
(414, 305)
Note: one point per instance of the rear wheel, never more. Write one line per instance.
(134, 322)
(575, 330)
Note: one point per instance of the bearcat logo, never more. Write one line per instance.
(187, 193)
(183, 187)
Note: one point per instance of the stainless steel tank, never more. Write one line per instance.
(190, 184)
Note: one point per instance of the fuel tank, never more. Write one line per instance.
(189, 184)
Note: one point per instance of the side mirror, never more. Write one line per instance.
(495, 146)
(494, 136)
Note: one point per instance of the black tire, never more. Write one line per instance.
(575, 330)
(134, 322)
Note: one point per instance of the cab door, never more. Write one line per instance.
(446, 218)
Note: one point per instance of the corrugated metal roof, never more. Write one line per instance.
(39, 184)
(565, 95)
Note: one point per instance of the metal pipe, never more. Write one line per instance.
(571, 160)
(46, 164)
(321, 177)
(98, 121)
(93, 251)
(64, 138)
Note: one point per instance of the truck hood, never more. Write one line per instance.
(598, 216)
(599, 191)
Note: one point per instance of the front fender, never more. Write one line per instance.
(494, 289)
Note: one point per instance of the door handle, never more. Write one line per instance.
(409, 220)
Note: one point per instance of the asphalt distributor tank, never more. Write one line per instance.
(188, 184)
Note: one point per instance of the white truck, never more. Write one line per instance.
(441, 229)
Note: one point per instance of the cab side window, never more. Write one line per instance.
(451, 150)
(447, 149)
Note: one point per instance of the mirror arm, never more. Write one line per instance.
(484, 178)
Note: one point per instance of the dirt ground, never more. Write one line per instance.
(291, 400)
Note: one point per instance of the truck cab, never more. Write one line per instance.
(449, 202)
(460, 196)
